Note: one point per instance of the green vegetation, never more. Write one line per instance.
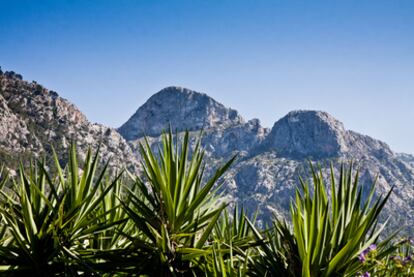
(173, 222)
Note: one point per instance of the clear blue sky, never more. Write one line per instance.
(352, 58)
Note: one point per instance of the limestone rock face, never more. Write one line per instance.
(33, 119)
(305, 134)
(183, 108)
(406, 158)
(265, 174)
(15, 133)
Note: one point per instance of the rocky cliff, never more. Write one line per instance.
(189, 109)
(33, 119)
(308, 134)
(406, 158)
(266, 173)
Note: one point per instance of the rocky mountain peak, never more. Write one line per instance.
(33, 119)
(175, 91)
(264, 177)
(183, 109)
(308, 134)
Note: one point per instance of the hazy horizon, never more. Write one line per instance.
(351, 59)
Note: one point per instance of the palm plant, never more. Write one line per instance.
(328, 232)
(108, 248)
(4, 235)
(172, 222)
(232, 244)
(48, 220)
(234, 229)
(113, 214)
(175, 209)
(224, 261)
(277, 252)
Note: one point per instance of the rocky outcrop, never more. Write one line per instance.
(265, 175)
(15, 133)
(183, 108)
(33, 119)
(308, 134)
(406, 158)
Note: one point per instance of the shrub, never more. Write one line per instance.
(173, 210)
(329, 232)
(171, 222)
(399, 262)
(46, 221)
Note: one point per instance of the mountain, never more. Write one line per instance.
(33, 119)
(192, 110)
(308, 134)
(266, 172)
(406, 158)
(269, 161)
(301, 136)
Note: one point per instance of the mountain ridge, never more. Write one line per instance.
(195, 110)
(270, 160)
(35, 119)
(264, 176)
